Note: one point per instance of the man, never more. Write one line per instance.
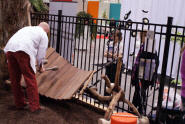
(22, 50)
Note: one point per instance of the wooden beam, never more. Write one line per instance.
(107, 81)
(101, 98)
(112, 105)
(118, 70)
(86, 83)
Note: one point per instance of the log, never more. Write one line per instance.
(118, 70)
(109, 90)
(99, 97)
(133, 108)
(86, 83)
(112, 105)
(107, 81)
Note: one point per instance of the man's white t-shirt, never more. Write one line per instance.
(32, 40)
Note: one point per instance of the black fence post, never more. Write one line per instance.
(164, 67)
(58, 30)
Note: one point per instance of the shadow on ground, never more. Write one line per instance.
(55, 112)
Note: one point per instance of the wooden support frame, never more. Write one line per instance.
(117, 94)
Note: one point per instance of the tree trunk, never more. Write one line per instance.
(14, 14)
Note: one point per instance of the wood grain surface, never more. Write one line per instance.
(62, 83)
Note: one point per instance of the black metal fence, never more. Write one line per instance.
(83, 42)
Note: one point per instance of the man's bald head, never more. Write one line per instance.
(44, 26)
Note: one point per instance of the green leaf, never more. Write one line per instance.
(179, 82)
(38, 5)
(179, 38)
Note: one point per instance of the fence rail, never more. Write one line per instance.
(83, 42)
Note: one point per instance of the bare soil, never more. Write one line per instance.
(55, 112)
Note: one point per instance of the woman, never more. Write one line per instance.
(183, 78)
(113, 50)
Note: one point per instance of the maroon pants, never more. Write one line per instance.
(18, 64)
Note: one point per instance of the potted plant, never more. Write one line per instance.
(82, 20)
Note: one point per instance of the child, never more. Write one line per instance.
(113, 50)
(183, 78)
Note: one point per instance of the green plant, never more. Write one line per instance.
(83, 19)
(173, 82)
(104, 15)
(38, 5)
(179, 38)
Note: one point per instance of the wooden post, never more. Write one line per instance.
(112, 105)
(119, 64)
(107, 81)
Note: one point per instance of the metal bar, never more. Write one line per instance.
(103, 55)
(65, 48)
(164, 67)
(128, 61)
(68, 41)
(79, 41)
(82, 50)
(75, 43)
(178, 70)
(53, 32)
(94, 49)
(87, 40)
(58, 30)
(127, 66)
(159, 49)
(72, 40)
(89, 66)
(62, 37)
(171, 68)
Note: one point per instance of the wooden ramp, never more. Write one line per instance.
(63, 83)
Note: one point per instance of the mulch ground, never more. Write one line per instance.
(55, 112)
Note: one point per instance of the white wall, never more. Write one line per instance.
(68, 9)
(159, 11)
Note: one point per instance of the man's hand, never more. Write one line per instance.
(41, 69)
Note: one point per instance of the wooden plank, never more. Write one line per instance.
(51, 61)
(51, 82)
(66, 83)
(49, 52)
(62, 83)
(60, 62)
(52, 77)
(74, 84)
(68, 91)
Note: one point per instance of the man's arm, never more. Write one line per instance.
(42, 52)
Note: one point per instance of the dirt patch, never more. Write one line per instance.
(55, 112)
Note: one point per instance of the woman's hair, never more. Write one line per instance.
(143, 34)
(119, 35)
